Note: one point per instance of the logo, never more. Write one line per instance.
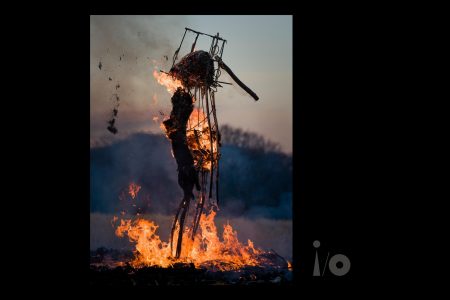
(338, 264)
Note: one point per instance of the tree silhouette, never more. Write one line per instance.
(247, 140)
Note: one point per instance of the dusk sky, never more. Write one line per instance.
(258, 50)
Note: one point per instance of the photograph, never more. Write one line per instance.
(191, 150)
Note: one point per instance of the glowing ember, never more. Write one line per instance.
(133, 189)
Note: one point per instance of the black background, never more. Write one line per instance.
(340, 120)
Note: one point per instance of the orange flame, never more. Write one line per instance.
(133, 189)
(227, 253)
(150, 250)
(198, 134)
(168, 81)
(198, 139)
(206, 249)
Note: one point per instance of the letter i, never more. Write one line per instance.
(316, 271)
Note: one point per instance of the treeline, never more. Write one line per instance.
(248, 140)
(255, 178)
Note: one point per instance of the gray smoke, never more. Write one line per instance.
(124, 51)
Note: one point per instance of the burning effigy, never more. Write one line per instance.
(196, 147)
(193, 131)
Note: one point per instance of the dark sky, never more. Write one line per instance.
(259, 51)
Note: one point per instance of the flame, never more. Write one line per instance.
(114, 220)
(198, 139)
(207, 248)
(133, 189)
(150, 250)
(227, 253)
(198, 133)
(168, 81)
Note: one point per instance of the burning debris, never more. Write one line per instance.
(181, 274)
(112, 122)
(111, 127)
